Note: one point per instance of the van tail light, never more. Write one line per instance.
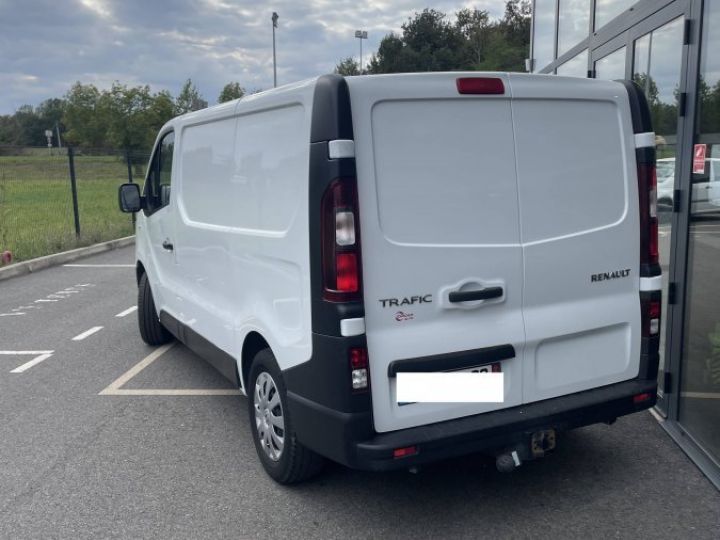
(341, 242)
(360, 368)
(650, 308)
(647, 192)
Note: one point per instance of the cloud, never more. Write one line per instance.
(47, 45)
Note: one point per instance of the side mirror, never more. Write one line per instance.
(129, 198)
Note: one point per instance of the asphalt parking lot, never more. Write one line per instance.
(93, 446)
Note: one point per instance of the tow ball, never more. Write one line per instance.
(540, 443)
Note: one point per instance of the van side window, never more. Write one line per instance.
(157, 187)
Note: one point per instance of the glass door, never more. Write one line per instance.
(699, 400)
(653, 53)
(657, 67)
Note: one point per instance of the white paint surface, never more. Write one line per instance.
(35, 361)
(127, 312)
(87, 333)
(98, 266)
(40, 356)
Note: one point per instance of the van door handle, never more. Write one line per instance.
(469, 296)
(167, 245)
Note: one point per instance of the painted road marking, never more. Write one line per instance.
(25, 352)
(54, 297)
(115, 388)
(31, 363)
(128, 311)
(87, 333)
(40, 356)
(99, 265)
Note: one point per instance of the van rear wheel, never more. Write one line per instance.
(151, 330)
(282, 456)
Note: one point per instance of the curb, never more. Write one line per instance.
(33, 265)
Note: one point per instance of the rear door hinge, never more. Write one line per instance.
(667, 382)
(676, 200)
(672, 293)
(687, 32)
(682, 100)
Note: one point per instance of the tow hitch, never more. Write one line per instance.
(540, 443)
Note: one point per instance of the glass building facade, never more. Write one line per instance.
(671, 48)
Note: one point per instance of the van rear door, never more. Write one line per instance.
(578, 193)
(438, 202)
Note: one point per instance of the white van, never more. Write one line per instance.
(315, 241)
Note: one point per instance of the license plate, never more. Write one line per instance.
(486, 368)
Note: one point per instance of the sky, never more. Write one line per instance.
(47, 45)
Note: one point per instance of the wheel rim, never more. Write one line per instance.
(269, 420)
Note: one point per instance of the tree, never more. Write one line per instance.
(230, 91)
(430, 42)
(348, 67)
(128, 112)
(85, 116)
(189, 99)
(474, 25)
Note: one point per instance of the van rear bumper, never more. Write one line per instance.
(349, 439)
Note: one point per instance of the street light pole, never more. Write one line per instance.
(275, 25)
(361, 34)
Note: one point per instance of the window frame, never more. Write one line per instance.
(153, 175)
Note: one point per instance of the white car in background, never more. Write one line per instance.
(705, 187)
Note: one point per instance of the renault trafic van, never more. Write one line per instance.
(319, 242)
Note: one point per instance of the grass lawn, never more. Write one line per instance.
(36, 214)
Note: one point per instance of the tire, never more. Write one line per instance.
(293, 462)
(151, 331)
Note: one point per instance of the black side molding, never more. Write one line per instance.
(452, 361)
(225, 364)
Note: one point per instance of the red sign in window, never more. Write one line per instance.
(699, 153)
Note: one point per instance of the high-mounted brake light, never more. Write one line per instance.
(480, 85)
(340, 242)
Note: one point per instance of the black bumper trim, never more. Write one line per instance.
(451, 361)
(348, 438)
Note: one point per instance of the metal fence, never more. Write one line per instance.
(56, 199)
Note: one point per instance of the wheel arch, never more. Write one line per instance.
(253, 343)
(139, 271)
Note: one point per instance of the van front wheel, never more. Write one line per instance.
(282, 456)
(151, 330)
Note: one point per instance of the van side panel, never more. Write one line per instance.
(242, 236)
(578, 198)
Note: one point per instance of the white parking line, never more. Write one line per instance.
(115, 388)
(40, 356)
(31, 363)
(87, 333)
(99, 265)
(128, 311)
(11, 314)
(25, 352)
